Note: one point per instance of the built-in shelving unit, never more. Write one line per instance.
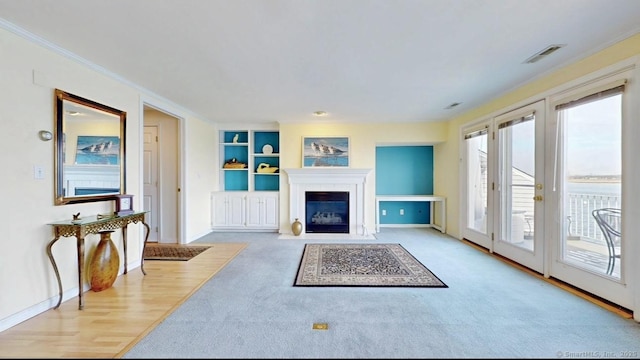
(248, 198)
(265, 152)
(234, 145)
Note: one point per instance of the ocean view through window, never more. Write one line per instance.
(591, 174)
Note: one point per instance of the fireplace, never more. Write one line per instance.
(327, 212)
(349, 183)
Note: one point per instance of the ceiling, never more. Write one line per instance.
(360, 60)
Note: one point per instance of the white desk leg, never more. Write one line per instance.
(431, 217)
(377, 216)
(444, 216)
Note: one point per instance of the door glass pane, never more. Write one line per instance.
(477, 183)
(516, 180)
(591, 178)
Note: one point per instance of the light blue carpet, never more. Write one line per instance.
(250, 309)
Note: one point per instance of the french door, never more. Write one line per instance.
(477, 219)
(537, 178)
(586, 133)
(504, 165)
(518, 186)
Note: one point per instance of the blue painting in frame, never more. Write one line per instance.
(98, 150)
(325, 151)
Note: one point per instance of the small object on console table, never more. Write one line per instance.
(124, 204)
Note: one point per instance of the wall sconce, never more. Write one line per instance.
(45, 135)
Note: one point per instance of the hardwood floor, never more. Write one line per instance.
(115, 319)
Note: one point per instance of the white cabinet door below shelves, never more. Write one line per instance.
(227, 210)
(262, 210)
(235, 211)
(218, 210)
(245, 210)
(272, 211)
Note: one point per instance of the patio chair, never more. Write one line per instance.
(608, 220)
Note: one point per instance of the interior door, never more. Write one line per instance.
(150, 179)
(519, 186)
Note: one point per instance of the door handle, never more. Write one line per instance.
(537, 198)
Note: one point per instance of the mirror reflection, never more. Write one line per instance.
(90, 152)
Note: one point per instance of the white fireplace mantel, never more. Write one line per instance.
(350, 180)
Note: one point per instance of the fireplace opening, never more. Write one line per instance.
(327, 212)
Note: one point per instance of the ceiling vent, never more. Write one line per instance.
(546, 52)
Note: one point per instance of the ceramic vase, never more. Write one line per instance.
(296, 227)
(104, 264)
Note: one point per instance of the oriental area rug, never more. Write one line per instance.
(172, 252)
(376, 265)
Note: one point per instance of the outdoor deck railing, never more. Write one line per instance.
(580, 224)
(580, 221)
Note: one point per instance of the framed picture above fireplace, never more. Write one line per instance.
(325, 151)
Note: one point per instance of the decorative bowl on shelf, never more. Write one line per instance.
(267, 149)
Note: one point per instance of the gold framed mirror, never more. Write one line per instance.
(89, 157)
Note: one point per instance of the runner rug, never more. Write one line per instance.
(379, 265)
(172, 252)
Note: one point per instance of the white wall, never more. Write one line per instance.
(200, 177)
(29, 73)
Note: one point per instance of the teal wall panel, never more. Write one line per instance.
(404, 170)
(415, 212)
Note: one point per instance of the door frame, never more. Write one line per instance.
(155, 233)
(180, 213)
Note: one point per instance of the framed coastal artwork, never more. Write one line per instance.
(98, 150)
(325, 151)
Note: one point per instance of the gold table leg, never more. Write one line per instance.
(55, 269)
(80, 243)
(124, 246)
(146, 237)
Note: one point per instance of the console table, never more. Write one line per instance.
(93, 225)
(424, 198)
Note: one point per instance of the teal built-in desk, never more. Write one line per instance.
(93, 225)
(432, 199)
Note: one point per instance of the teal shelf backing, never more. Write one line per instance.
(236, 151)
(272, 161)
(236, 180)
(261, 138)
(266, 182)
(243, 136)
